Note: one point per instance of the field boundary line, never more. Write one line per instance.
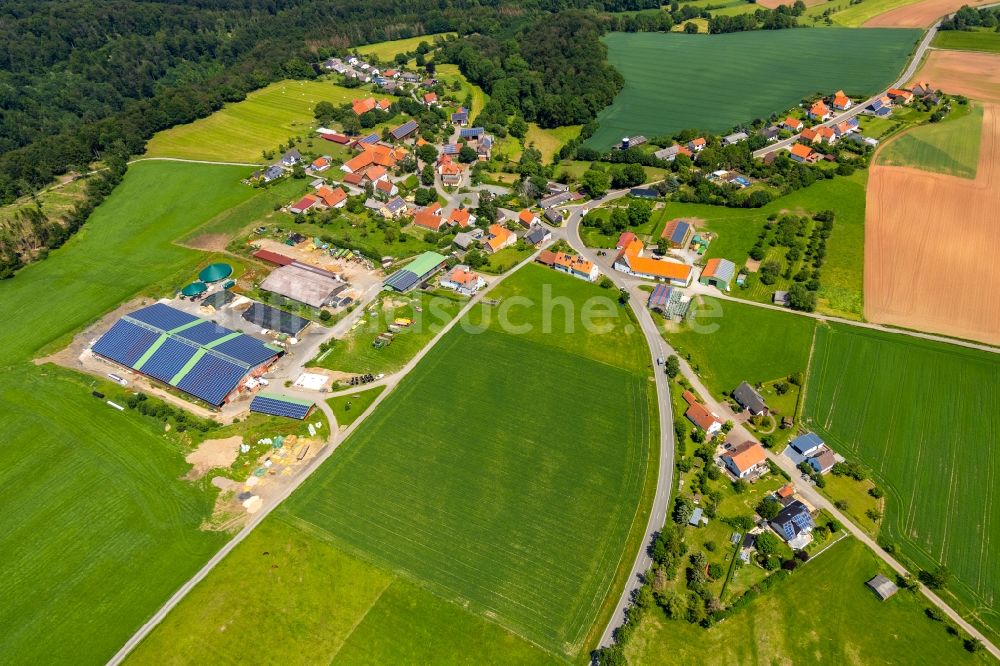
(354, 627)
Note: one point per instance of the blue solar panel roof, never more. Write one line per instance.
(246, 348)
(275, 406)
(168, 360)
(402, 280)
(125, 342)
(204, 332)
(212, 379)
(679, 232)
(162, 316)
(371, 138)
(470, 132)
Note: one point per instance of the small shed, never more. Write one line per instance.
(882, 586)
(695, 517)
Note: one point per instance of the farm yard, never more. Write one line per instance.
(521, 501)
(345, 610)
(100, 529)
(821, 613)
(915, 413)
(912, 265)
(239, 132)
(950, 147)
(661, 99)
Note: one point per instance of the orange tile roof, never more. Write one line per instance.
(700, 416)
(360, 106)
(352, 178)
(683, 150)
(499, 236)
(451, 169)
(331, 197)
(700, 141)
(430, 97)
(428, 220)
(747, 455)
(671, 270)
(819, 108)
(321, 162)
(384, 185)
(460, 216)
(384, 104)
(376, 172)
(526, 217)
(689, 398)
(421, 141)
(840, 99)
(801, 150)
(462, 276)
(573, 262)
(792, 123)
(786, 490)
(809, 133)
(826, 132)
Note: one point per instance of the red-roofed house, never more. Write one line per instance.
(803, 153)
(355, 179)
(463, 280)
(900, 96)
(745, 460)
(793, 124)
(321, 163)
(697, 145)
(451, 173)
(376, 173)
(526, 218)
(361, 106)
(819, 111)
(699, 415)
(841, 102)
(462, 218)
(624, 240)
(386, 187)
(429, 218)
(332, 198)
(304, 204)
(498, 238)
(430, 99)
(809, 134)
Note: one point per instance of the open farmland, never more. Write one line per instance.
(535, 509)
(922, 417)
(950, 147)
(975, 75)
(972, 40)
(926, 235)
(340, 610)
(239, 132)
(730, 342)
(386, 51)
(660, 97)
(99, 528)
(822, 613)
(549, 141)
(921, 14)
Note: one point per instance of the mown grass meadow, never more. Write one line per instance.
(950, 147)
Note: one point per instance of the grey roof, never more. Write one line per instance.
(553, 216)
(735, 137)
(882, 586)
(404, 130)
(292, 155)
(302, 285)
(463, 240)
(780, 298)
(373, 204)
(668, 153)
(555, 199)
(536, 235)
(695, 516)
(395, 205)
(273, 171)
(748, 398)
(725, 270)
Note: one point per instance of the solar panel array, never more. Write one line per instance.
(198, 357)
(278, 406)
(402, 280)
(278, 320)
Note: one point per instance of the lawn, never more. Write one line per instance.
(355, 353)
(973, 40)
(822, 613)
(549, 141)
(535, 508)
(240, 132)
(343, 610)
(450, 73)
(730, 342)
(505, 259)
(916, 414)
(100, 527)
(347, 408)
(386, 51)
(950, 147)
(662, 98)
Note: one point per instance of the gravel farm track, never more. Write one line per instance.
(915, 276)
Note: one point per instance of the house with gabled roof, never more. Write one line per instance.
(807, 444)
(922, 88)
(430, 99)
(291, 157)
(362, 106)
(460, 117)
(461, 218)
(899, 95)
(746, 460)
(498, 238)
(699, 415)
(321, 164)
(537, 235)
(332, 198)
(304, 204)
(697, 145)
(749, 399)
(677, 233)
(794, 524)
(734, 138)
(819, 111)
(526, 218)
(463, 280)
(430, 217)
(800, 152)
(574, 265)
(841, 102)
(792, 124)
(630, 260)
(718, 273)
(386, 188)
(405, 130)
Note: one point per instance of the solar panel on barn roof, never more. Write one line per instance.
(280, 406)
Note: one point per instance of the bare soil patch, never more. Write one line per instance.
(209, 242)
(927, 242)
(919, 15)
(213, 453)
(975, 75)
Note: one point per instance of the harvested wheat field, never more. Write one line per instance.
(920, 14)
(929, 243)
(975, 75)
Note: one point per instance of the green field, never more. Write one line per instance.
(735, 78)
(950, 147)
(386, 51)
(240, 132)
(821, 614)
(918, 415)
(343, 611)
(972, 40)
(354, 352)
(100, 529)
(730, 342)
(450, 73)
(549, 141)
(347, 408)
(535, 507)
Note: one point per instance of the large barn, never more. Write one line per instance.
(202, 359)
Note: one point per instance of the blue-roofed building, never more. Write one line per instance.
(460, 117)
(794, 524)
(471, 132)
(404, 130)
(371, 138)
(807, 444)
(677, 233)
(450, 149)
(281, 405)
(208, 361)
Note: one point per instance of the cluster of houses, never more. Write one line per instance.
(390, 80)
(352, 67)
(570, 264)
(809, 448)
(633, 260)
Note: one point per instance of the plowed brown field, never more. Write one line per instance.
(920, 14)
(975, 75)
(929, 246)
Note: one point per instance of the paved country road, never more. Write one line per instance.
(334, 440)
